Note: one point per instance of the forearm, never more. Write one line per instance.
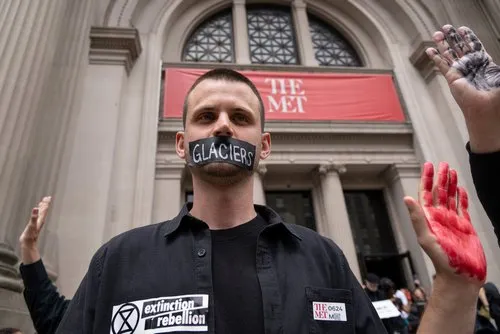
(451, 308)
(483, 135)
(29, 255)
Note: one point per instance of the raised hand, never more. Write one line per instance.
(29, 238)
(474, 81)
(442, 224)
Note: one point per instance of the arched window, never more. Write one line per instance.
(212, 41)
(330, 48)
(271, 36)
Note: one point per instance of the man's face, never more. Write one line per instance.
(223, 108)
(371, 286)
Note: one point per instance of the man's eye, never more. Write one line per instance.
(240, 118)
(206, 116)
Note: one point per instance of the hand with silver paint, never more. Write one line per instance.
(474, 81)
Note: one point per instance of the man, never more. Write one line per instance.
(44, 303)
(474, 81)
(224, 265)
(371, 282)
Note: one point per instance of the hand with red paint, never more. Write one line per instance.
(443, 226)
(29, 238)
(444, 230)
(474, 81)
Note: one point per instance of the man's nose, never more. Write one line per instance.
(223, 126)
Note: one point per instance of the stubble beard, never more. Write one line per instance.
(221, 173)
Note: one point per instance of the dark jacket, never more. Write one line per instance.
(485, 169)
(160, 277)
(45, 304)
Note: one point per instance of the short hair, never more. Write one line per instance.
(224, 74)
(9, 330)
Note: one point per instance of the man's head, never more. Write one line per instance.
(223, 103)
(387, 287)
(372, 282)
(227, 75)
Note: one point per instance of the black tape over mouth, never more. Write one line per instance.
(222, 149)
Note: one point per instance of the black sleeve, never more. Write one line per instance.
(485, 169)
(45, 304)
(80, 315)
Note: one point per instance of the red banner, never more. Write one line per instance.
(304, 96)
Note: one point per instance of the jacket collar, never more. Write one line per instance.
(268, 214)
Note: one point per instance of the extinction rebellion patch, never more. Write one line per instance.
(187, 313)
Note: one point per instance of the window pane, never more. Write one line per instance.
(212, 41)
(330, 48)
(271, 36)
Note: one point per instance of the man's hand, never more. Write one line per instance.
(442, 224)
(29, 238)
(474, 82)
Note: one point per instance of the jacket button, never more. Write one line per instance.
(201, 252)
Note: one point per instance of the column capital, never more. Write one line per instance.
(422, 62)
(114, 46)
(397, 171)
(329, 168)
(261, 170)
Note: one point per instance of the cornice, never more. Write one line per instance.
(421, 60)
(114, 46)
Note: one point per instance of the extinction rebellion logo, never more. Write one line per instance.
(187, 313)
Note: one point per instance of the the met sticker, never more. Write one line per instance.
(329, 311)
(186, 313)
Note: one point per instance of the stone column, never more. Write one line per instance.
(337, 218)
(168, 197)
(240, 26)
(25, 62)
(92, 175)
(404, 180)
(318, 205)
(259, 195)
(304, 40)
(42, 48)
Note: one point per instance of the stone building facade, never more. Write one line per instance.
(82, 119)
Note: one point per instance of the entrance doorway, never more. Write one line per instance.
(374, 238)
(295, 207)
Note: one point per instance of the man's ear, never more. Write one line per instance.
(179, 145)
(265, 145)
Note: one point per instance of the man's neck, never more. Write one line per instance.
(223, 207)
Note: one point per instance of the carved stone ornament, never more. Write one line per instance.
(114, 46)
(327, 168)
